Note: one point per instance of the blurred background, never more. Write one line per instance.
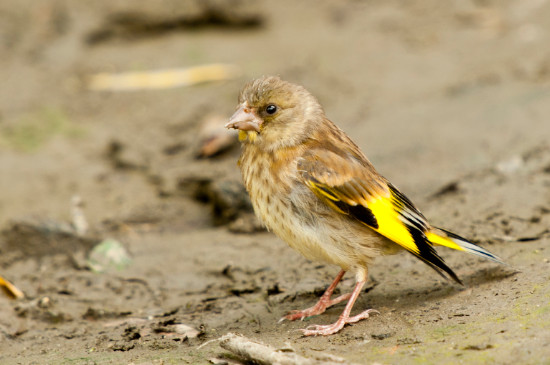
(112, 143)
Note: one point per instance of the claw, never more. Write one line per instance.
(360, 316)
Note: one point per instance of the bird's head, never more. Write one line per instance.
(274, 113)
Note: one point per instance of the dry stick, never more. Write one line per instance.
(11, 289)
(263, 354)
(162, 79)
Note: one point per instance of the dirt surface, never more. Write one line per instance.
(450, 100)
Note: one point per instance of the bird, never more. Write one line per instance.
(312, 186)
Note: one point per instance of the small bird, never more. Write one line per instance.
(313, 187)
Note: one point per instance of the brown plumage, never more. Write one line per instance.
(312, 186)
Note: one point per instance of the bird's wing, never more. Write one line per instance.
(350, 185)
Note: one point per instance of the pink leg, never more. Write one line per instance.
(323, 303)
(344, 317)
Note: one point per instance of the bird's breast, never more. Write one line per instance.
(268, 182)
(271, 181)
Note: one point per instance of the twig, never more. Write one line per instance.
(162, 79)
(11, 289)
(259, 353)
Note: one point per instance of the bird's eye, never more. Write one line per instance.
(271, 109)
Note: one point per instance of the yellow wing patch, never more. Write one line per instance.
(390, 225)
(385, 213)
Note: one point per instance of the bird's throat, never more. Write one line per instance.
(250, 135)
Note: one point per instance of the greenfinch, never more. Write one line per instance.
(313, 187)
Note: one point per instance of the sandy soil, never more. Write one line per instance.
(449, 100)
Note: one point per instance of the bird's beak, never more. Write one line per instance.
(244, 119)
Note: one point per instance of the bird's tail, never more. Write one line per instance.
(441, 237)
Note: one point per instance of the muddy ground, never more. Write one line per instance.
(450, 100)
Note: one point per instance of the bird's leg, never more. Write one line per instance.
(323, 303)
(344, 317)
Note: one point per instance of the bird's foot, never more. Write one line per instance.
(317, 309)
(325, 330)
